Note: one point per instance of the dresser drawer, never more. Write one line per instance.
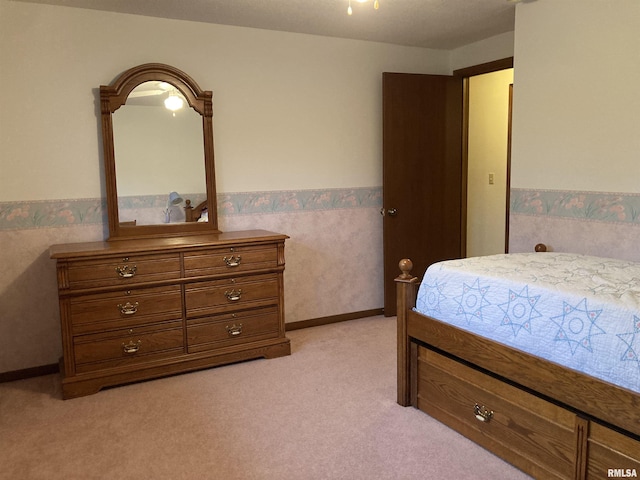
(219, 296)
(232, 328)
(611, 454)
(217, 261)
(126, 308)
(126, 346)
(122, 270)
(515, 425)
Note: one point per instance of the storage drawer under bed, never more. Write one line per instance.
(611, 454)
(534, 435)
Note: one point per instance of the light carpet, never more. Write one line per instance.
(328, 411)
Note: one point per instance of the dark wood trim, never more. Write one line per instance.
(488, 67)
(29, 373)
(464, 190)
(316, 322)
(508, 203)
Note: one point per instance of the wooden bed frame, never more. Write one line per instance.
(192, 214)
(547, 420)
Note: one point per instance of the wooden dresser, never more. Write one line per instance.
(142, 308)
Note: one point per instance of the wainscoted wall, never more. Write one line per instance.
(333, 258)
(334, 255)
(592, 223)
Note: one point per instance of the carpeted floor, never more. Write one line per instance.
(328, 411)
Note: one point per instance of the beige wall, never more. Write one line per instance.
(488, 50)
(576, 114)
(576, 99)
(292, 113)
(290, 110)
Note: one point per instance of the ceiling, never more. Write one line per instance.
(439, 24)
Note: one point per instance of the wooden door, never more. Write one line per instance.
(422, 173)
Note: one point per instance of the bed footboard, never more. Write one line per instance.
(545, 419)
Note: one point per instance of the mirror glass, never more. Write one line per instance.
(157, 135)
(158, 150)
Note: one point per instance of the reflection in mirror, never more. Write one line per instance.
(158, 155)
(158, 150)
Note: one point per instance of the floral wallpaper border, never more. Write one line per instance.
(59, 213)
(595, 206)
(52, 213)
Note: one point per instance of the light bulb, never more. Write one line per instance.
(173, 102)
(376, 5)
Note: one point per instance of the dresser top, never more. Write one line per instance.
(163, 244)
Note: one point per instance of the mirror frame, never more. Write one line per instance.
(112, 97)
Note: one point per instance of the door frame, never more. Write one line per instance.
(466, 73)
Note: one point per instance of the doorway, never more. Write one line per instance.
(487, 162)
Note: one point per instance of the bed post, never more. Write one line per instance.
(406, 299)
(188, 211)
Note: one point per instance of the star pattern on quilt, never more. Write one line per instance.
(472, 300)
(520, 310)
(432, 296)
(577, 325)
(632, 340)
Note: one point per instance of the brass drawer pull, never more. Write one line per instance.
(131, 347)
(128, 308)
(232, 261)
(482, 414)
(234, 330)
(126, 271)
(232, 295)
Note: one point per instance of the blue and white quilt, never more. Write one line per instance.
(579, 311)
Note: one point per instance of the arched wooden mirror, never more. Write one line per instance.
(158, 155)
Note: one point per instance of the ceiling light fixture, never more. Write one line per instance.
(173, 102)
(376, 5)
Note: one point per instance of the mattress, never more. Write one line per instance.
(579, 311)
